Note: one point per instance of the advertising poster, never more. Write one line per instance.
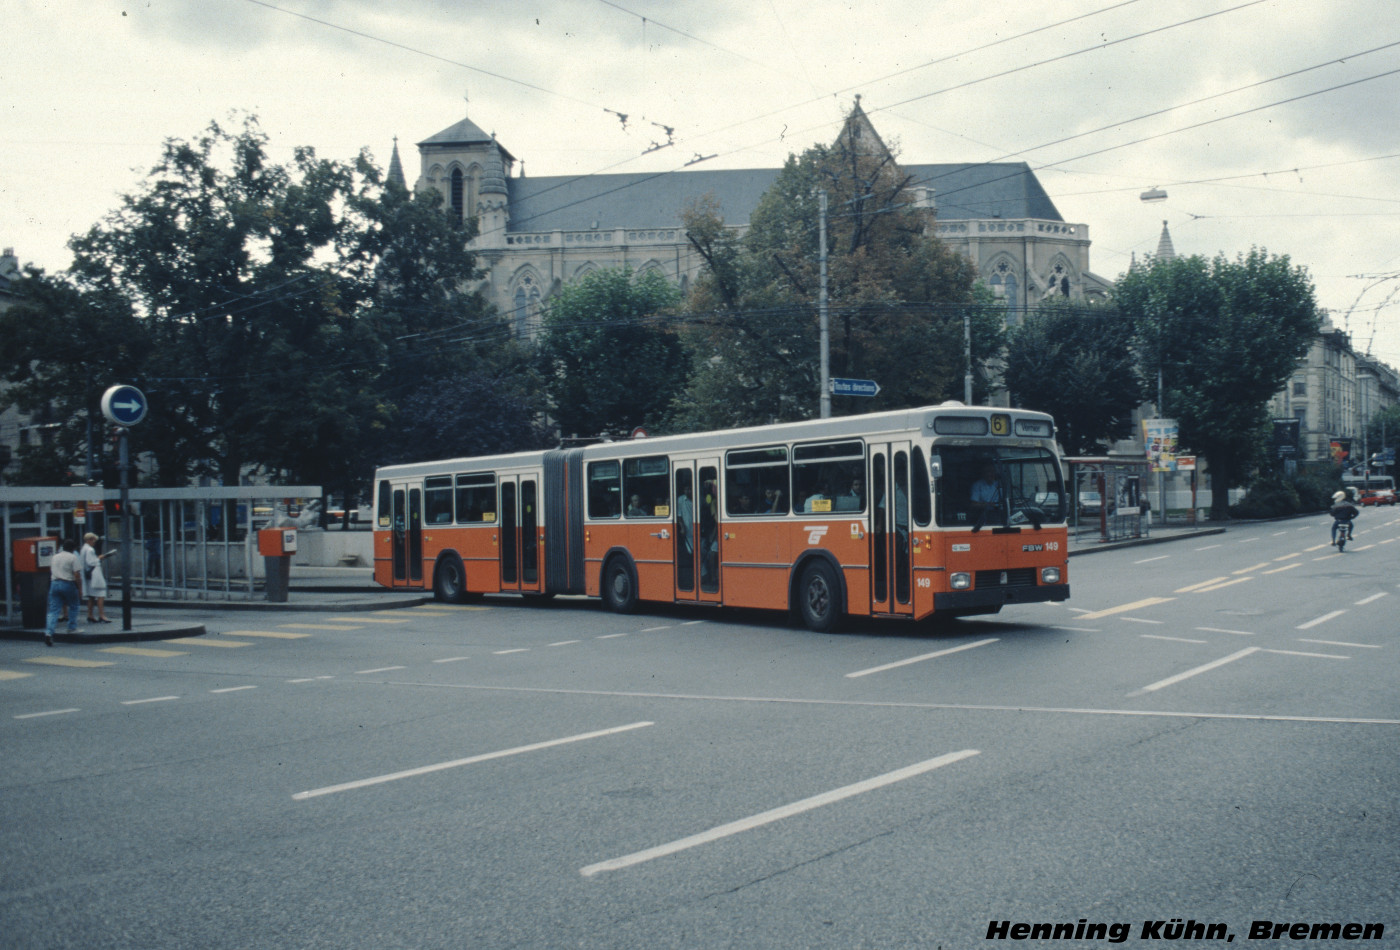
(1160, 438)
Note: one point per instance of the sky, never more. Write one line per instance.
(1268, 123)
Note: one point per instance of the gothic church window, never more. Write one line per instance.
(525, 310)
(1004, 284)
(456, 194)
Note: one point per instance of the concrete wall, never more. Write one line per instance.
(333, 548)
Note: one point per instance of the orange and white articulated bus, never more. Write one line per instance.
(946, 510)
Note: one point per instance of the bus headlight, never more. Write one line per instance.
(960, 581)
(1049, 575)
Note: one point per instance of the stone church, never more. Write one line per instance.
(536, 234)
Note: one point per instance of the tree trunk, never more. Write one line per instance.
(1219, 488)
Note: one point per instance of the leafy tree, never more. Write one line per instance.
(609, 357)
(1079, 366)
(895, 293)
(63, 349)
(1224, 335)
(226, 258)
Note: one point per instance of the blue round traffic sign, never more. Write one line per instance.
(124, 405)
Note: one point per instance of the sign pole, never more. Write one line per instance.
(124, 463)
(125, 406)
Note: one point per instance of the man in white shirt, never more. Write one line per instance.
(65, 578)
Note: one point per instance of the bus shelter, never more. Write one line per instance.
(186, 543)
(1109, 497)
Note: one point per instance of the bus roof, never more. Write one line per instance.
(908, 421)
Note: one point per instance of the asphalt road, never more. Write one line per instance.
(1205, 736)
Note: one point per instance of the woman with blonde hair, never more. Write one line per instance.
(94, 581)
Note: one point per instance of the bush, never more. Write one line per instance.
(1276, 497)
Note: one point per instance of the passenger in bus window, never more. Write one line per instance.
(819, 495)
(773, 502)
(635, 509)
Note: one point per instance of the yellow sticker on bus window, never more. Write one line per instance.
(819, 504)
(662, 511)
(1001, 423)
(488, 516)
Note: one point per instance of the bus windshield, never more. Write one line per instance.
(997, 486)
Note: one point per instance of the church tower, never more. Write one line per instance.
(470, 170)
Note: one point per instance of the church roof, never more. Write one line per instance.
(465, 132)
(578, 203)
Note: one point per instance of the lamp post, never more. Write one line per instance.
(1365, 380)
(1155, 195)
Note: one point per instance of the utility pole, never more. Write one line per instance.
(822, 310)
(967, 357)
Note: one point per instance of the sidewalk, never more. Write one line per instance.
(353, 588)
(1160, 534)
(311, 589)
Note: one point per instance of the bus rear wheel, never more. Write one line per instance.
(619, 587)
(819, 598)
(450, 580)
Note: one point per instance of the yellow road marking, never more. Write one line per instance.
(1286, 567)
(1288, 556)
(143, 651)
(373, 619)
(1246, 570)
(1316, 547)
(316, 626)
(271, 634)
(66, 661)
(1124, 608)
(1187, 590)
(430, 608)
(13, 675)
(201, 642)
(1238, 580)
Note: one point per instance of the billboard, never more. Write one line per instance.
(1160, 438)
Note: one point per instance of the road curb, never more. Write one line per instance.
(1143, 542)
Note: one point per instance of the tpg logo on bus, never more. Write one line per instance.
(815, 532)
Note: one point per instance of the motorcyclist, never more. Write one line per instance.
(1343, 514)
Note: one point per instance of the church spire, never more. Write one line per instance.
(395, 173)
(1165, 251)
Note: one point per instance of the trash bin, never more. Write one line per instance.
(32, 558)
(277, 545)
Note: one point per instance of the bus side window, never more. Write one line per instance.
(437, 499)
(604, 490)
(756, 482)
(646, 487)
(922, 490)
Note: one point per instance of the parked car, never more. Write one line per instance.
(1090, 504)
(1377, 496)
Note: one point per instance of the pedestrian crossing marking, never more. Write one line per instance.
(372, 619)
(201, 642)
(69, 661)
(315, 626)
(143, 651)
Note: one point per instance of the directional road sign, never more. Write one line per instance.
(854, 387)
(124, 405)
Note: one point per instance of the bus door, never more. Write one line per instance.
(518, 532)
(891, 567)
(696, 530)
(406, 536)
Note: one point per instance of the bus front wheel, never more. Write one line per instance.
(819, 598)
(619, 587)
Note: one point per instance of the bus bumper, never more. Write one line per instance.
(999, 596)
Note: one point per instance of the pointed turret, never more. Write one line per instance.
(1165, 251)
(395, 173)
